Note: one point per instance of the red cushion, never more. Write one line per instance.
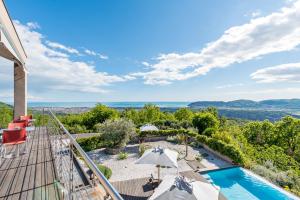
(21, 121)
(14, 136)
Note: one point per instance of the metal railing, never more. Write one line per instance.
(73, 181)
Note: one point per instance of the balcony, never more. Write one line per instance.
(50, 170)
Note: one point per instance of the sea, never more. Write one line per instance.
(164, 104)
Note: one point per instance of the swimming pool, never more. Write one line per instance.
(240, 184)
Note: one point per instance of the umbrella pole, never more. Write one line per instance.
(158, 173)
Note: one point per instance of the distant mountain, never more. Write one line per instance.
(272, 104)
(273, 109)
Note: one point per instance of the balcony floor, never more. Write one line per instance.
(32, 175)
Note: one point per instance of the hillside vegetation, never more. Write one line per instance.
(272, 110)
(6, 114)
(272, 104)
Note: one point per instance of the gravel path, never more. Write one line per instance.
(127, 169)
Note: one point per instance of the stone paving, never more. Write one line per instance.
(127, 169)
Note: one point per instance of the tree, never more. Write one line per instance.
(260, 132)
(149, 114)
(131, 114)
(204, 120)
(211, 110)
(99, 114)
(5, 115)
(288, 132)
(209, 131)
(116, 133)
(184, 114)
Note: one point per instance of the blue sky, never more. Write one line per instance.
(154, 50)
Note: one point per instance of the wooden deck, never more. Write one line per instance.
(140, 189)
(32, 175)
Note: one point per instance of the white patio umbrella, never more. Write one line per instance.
(148, 127)
(160, 157)
(179, 188)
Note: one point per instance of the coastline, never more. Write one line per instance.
(78, 110)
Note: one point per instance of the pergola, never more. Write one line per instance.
(11, 48)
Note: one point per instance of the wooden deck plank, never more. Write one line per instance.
(31, 175)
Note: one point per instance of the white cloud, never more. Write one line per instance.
(277, 32)
(146, 64)
(229, 86)
(93, 53)
(56, 45)
(33, 25)
(89, 52)
(256, 13)
(129, 77)
(289, 72)
(52, 70)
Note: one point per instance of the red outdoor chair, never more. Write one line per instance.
(22, 121)
(28, 118)
(16, 125)
(14, 137)
(25, 117)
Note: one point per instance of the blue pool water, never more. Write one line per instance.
(239, 184)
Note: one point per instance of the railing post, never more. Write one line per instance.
(71, 175)
(60, 156)
(65, 144)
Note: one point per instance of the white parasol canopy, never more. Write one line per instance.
(148, 127)
(160, 157)
(179, 188)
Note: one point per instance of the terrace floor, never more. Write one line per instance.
(32, 175)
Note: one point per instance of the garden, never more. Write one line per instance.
(269, 149)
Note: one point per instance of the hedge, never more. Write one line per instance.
(226, 149)
(161, 133)
(91, 143)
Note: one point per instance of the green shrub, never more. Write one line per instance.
(205, 120)
(105, 171)
(116, 133)
(161, 133)
(92, 143)
(122, 156)
(209, 131)
(226, 149)
(202, 139)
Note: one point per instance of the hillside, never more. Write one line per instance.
(273, 109)
(272, 104)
